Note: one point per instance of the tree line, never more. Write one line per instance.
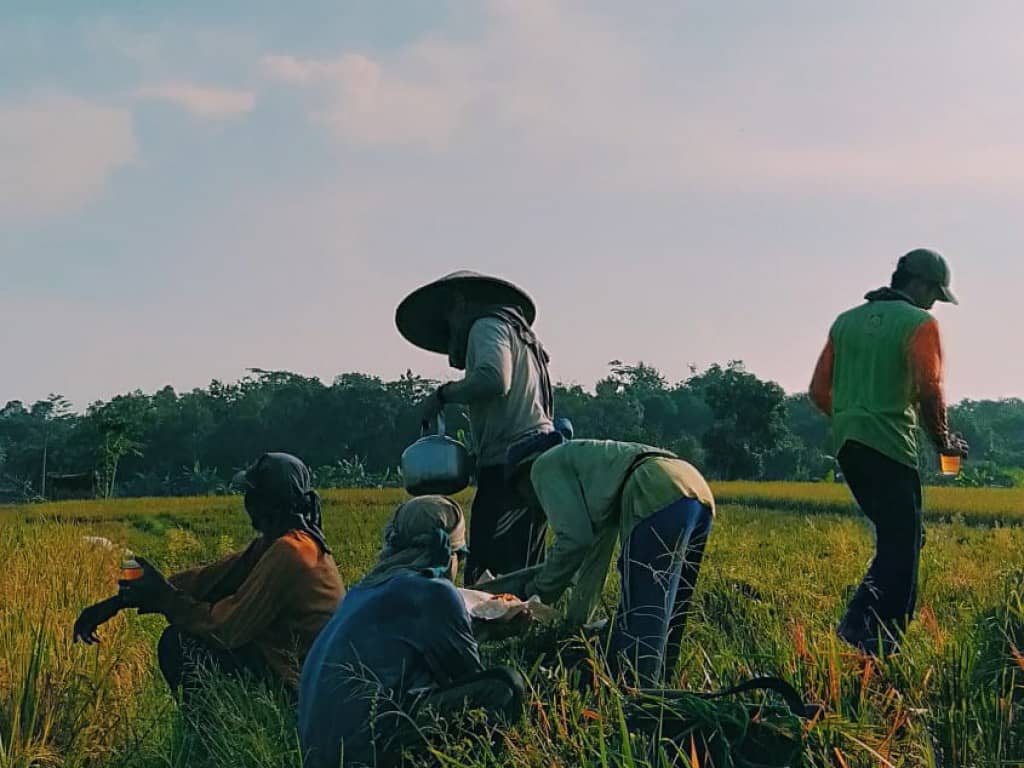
(352, 432)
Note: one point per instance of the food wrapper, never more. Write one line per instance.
(488, 607)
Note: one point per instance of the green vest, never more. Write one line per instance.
(872, 381)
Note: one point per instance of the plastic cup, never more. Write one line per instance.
(949, 465)
(131, 570)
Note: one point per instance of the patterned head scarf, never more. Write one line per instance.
(422, 536)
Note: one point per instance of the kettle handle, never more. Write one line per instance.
(425, 425)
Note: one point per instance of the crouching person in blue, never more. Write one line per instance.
(659, 507)
(400, 650)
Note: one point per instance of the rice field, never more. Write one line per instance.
(972, 506)
(781, 560)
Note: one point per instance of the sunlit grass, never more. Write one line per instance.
(771, 591)
(977, 505)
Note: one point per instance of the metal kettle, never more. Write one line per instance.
(435, 464)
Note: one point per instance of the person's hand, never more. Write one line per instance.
(432, 406)
(90, 619)
(955, 445)
(149, 592)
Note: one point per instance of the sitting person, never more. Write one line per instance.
(254, 612)
(399, 650)
(658, 506)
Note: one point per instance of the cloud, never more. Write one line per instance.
(543, 76)
(58, 151)
(296, 70)
(373, 103)
(570, 87)
(209, 103)
(539, 72)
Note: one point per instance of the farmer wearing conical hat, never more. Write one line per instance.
(484, 324)
(879, 375)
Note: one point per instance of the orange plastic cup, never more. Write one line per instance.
(131, 570)
(949, 465)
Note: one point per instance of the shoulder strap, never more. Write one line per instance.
(639, 459)
(540, 355)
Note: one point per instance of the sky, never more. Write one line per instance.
(191, 189)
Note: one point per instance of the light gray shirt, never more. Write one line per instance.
(502, 388)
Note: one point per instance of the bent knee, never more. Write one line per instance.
(514, 683)
(176, 643)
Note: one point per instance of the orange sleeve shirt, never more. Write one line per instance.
(926, 362)
(289, 595)
(821, 382)
(197, 581)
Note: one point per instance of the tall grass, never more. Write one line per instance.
(771, 591)
(61, 705)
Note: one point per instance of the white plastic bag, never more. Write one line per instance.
(488, 607)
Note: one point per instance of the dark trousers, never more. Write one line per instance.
(658, 567)
(889, 494)
(186, 660)
(505, 533)
(499, 693)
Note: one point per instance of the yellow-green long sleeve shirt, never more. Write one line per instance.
(576, 484)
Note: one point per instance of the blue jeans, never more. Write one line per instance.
(658, 568)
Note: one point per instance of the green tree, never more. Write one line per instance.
(120, 424)
(811, 440)
(749, 420)
(725, 419)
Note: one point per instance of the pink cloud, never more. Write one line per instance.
(371, 102)
(564, 83)
(555, 76)
(294, 69)
(206, 102)
(57, 152)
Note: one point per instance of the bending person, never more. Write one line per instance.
(658, 506)
(399, 650)
(256, 612)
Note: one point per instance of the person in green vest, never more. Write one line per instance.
(878, 378)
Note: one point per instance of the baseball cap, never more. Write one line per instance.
(929, 265)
